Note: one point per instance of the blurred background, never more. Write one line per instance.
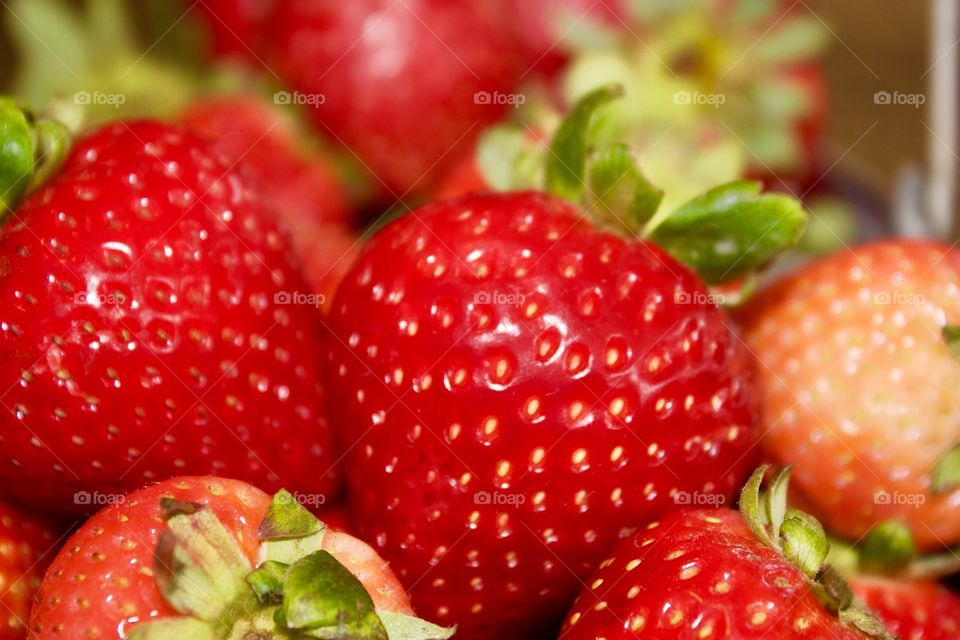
(876, 46)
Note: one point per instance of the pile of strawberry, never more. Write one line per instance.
(527, 407)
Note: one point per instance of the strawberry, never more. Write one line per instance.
(717, 573)
(235, 26)
(144, 329)
(857, 386)
(371, 69)
(26, 548)
(299, 188)
(211, 558)
(520, 387)
(913, 609)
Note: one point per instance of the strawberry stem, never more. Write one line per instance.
(31, 151)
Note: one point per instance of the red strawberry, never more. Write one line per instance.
(715, 573)
(398, 83)
(519, 387)
(26, 548)
(858, 389)
(170, 558)
(263, 142)
(235, 26)
(143, 332)
(501, 344)
(913, 610)
(299, 188)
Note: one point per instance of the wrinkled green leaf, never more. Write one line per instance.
(731, 230)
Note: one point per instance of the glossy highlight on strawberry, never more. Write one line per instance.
(519, 389)
(143, 331)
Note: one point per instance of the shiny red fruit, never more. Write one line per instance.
(235, 27)
(406, 86)
(151, 325)
(519, 389)
(699, 574)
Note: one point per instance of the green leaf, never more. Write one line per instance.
(287, 518)
(945, 476)
(804, 542)
(321, 594)
(173, 629)
(618, 192)
(267, 582)
(16, 155)
(751, 509)
(776, 501)
(731, 230)
(404, 627)
(199, 568)
(571, 144)
(887, 548)
(951, 335)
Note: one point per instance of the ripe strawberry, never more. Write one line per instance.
(912, 610)
(26, 548)
(717, 573)
(235, 26)
(191, 552)
(374, 68)
(299, 188)
(143, 332)
(519, 387)
(857, 385)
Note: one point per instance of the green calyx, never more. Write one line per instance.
(800, 538)
(298, 591)
(723, 234)
(31, 150)
(888, 549)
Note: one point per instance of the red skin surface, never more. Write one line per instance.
(912, 610)
(27, 545)
(235, 26)
(102, 583)
(300, 190)
(699, 574)
(261, 140)
(571, 403)
(176, 356)
(858, 385)
(398, 79)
